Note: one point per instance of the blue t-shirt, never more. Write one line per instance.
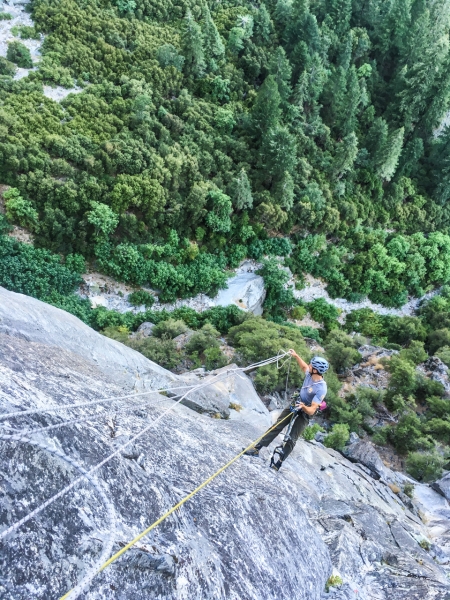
(312, 391)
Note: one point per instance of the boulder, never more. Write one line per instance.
(354, 437)
(246, 290)
(145, 329)
(364, 453)
(182, 339)
(442, 486)
(231, 395)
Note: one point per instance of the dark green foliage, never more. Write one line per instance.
(278, 298)
(19, 54)
(34, 272)
(5, 16)
(338, 437)
(169, 329)
(7, 67)
(203, 340)
(425, 466)
(256, 339)
(160, 351)
(341, 350)
(232, 126)
(141, 298)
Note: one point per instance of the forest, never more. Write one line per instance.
(206, 131)
(307, 135)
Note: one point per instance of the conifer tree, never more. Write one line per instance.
(392, 154)
(263, 25)
(346, 152)
(266, 110)
(242, 192)
(281, 69)
(192, 44)
(212, 42)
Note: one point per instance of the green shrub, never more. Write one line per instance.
(202, 340)
(5, 16)
(169, 329)
(340, 349)
(19, 210)
(257, 339)
(161, 351)
(408, 489)
(119, 333)
(7, 67)
(415, 353)
(214, 358)
(403, 378)
(323, 312)
(19, 54)
(298, 312)
(340, 434)
(444, 354)
(310, 431)
(424, 466)
(407, 435)
(141, 298)
(75, 263)
(438, 339)
(278, 298)
(381, 435)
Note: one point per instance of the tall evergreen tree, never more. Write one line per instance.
(281, 69)
(192, 45)
(242, 192)
(263, 25)
(212, 42)
(266, 111)
(392, 154)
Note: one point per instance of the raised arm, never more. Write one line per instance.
(301, 363)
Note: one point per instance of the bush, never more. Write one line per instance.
(438, 339)
(19, 54)
(215, 358)
(203, 340)
(310, 431)
(257, 339)
(415, 353)
(323, 312)
(5, 16)
(444, 354)
(338, 437)
(169, 329)
(425, 466)
(7, 67)
(278, 298)
(341, 352)
(408, 434)
(19, 210)
(403, 378)
(141, 298)
(119, 333)
(381, 435)
(161, 351)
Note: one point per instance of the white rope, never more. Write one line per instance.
(50, 501)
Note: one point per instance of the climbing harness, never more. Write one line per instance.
(22, 436)
(279, 450)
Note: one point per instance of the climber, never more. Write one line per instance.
(311, 396)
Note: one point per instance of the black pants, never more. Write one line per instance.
(300, 423)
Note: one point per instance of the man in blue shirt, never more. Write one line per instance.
(312, 394)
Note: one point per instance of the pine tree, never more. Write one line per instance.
(242, 192)
(278, 152)
(376, 142)
(284, 191)
(346, 152)
(213, 45)
(263, 25)
(266, 110)
(392, 154)
(281, 69)
(192, 44)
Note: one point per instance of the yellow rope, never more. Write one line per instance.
(174, 508)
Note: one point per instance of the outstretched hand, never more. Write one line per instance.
(292, 352)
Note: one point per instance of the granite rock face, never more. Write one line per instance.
(246, 290)
(364, 453)
(251, 534)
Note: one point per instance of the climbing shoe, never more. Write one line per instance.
(253, 452)
(276, 466)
